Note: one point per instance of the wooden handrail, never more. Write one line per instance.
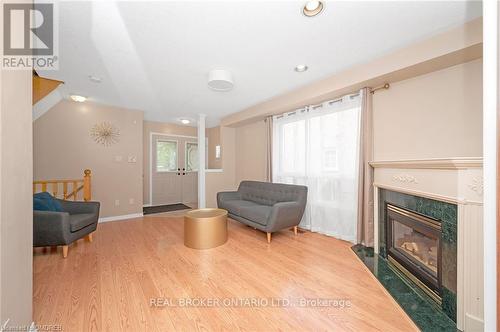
(77, 185)
(57, 181)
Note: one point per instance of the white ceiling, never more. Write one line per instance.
(155, 56)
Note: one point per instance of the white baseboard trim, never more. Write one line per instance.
(122, 217)
(473, 323)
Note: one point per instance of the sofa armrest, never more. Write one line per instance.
(50, 228)
(285, 214)
(227, 196)
(75, 207)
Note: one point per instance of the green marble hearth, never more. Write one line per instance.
(446, 214)
(421, 309)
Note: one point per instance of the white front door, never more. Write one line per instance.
(173, 178)
(190, 179)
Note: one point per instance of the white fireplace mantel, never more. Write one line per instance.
(453, 180)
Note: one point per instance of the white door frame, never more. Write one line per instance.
(151, 134)
(491, 30)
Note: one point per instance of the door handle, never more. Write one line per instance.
(183, 173)
(178, 169)
(183, 169)
(178, 173)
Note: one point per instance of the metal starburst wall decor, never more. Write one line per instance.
(105, 133)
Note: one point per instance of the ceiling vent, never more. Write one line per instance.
(220, 80)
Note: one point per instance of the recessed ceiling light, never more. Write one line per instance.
(95, 79)
(300, 68)
(78, 98)
(185, 121)
(312, 8)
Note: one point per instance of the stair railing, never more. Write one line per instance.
(70, 188)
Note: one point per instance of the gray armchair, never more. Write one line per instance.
(77, 220)
(268, 207)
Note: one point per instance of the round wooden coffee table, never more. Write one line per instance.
(205, 228)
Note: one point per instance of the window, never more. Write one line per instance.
(191, 157)
(330, 159)
(293, 147)
(166, 156)
(319, 148)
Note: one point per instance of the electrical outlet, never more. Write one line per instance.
(131, 201)
(117, 202)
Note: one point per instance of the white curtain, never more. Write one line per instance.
(318, 146)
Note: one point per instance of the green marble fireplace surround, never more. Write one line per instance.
(446, 214)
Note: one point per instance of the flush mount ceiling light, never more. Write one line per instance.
(78, 98)
(220, 80)
(185, 121)
(312, 8)
(300, 68)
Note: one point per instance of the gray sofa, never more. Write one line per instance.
(78, 219)
(266, 206)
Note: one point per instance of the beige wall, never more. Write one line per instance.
(63, 148)
(16, 202)
(436, 115)
(213, 136)
(225, 179)
(251, 152)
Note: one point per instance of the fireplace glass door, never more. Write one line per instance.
(413, 243)
(418, 247)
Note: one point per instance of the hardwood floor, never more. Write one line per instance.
(109, 284)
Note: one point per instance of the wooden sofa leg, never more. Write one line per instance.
(65, 251)
(268, 237)
(295, 230)
(89, 237)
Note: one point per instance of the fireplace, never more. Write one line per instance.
(414, 248)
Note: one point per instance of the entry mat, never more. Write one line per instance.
(421, 310)
(164, 208)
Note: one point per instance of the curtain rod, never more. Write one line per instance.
(386, 86)
(315, 106)
(383, 87)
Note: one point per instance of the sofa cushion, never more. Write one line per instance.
(256, 213)
(234, 206)
(265, 193)
(82, 220)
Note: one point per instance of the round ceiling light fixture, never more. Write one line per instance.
(312, 8)
(78, 98)
(185, 121)
(301, 68)
(220, 80)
